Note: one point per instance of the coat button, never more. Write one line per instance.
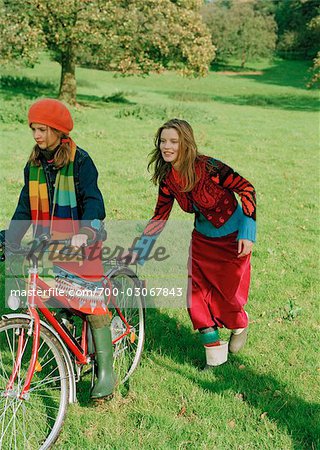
(209, 217)
(226, 202)
(218, 210)
(221, 219)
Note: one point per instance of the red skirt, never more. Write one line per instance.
(219, 282)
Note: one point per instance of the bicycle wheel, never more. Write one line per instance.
(128, 311)
(34, 422)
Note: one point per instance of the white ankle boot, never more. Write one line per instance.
(217, 354)
(238, 338)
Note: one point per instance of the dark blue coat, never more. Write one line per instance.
(89, 198)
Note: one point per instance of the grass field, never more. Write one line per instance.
(266, 127)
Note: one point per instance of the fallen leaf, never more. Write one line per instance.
(232, 423)
(240, 397)
(277, 394)
(263, 415)
(182, 411)
(242, 366)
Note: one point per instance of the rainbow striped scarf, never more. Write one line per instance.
(62, 223)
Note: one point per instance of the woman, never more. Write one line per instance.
(222, 240)
(61, 197)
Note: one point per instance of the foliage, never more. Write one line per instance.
(291, 311)
(315, 70)
(315, 80)
(150, 35)
(295, 36)
(20, 39)
(136, 36)
(238, 29)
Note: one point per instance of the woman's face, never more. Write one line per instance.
(169, 145)
(45, 137)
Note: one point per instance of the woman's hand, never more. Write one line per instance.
(244, 247)
(79, 240)
(129, 257)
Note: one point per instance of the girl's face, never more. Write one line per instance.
(45, 137)
(169, 145)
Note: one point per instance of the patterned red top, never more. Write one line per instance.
(213, 195)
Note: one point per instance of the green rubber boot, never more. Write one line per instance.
(100, 328)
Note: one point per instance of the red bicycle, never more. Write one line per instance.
(43, 356)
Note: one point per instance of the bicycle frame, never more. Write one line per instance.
(35, 302)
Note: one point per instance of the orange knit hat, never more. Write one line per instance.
(53, 113)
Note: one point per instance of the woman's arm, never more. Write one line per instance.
(21, 218)
(143, 246)
(226, 177)
(161, 213)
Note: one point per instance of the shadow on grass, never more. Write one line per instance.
(93, 101)
(281, 73)
(263, 392)
(12, 86)
(287, 102)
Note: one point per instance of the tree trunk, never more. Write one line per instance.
(244, 58)
(68, 83)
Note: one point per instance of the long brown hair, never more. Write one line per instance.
(188, 154)
(61, 156)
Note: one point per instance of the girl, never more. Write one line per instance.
(60, 196)
(222, 240)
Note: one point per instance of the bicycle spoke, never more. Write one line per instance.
(128, 311)
(35, 421)
(2, 426)
(12, 418)
(14, 434)
(44, 383)
(24, 425)
(45, 355)
(6, 377)
(47, 395)
(9, 344)
(46, 363)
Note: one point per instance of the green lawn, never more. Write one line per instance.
(266, 127)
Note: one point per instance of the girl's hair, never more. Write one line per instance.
(188, 153)
(61, 156)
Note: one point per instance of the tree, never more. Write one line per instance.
(128, 36)
(295, 37)
(240, 30)
(314, 25)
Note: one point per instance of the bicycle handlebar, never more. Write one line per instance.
(41, 243)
